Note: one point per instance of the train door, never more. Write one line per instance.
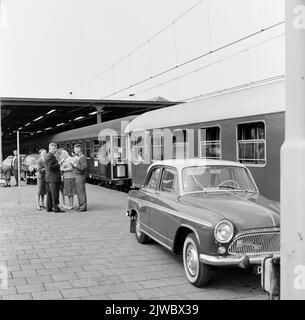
(118, 156)
(140, 156)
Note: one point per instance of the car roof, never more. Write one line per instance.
(182, 163)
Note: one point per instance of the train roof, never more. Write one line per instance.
(93, 130)
(260, 99)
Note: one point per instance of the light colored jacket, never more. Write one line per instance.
(67, 168)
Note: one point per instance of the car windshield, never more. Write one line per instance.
(215, 178)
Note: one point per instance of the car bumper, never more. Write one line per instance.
(240, 261)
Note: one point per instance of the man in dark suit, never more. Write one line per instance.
(52, 174)
(14, 166)
(80, 165)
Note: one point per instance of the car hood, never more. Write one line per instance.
(246, 211)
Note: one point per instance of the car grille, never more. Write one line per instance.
(256, 243)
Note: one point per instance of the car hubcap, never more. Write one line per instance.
(191, 259)
(138, 231)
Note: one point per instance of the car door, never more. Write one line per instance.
(163, 201)
(147, 196)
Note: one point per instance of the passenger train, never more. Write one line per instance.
(245, 125)
(104, 146)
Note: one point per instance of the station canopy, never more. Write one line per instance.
(35, 117)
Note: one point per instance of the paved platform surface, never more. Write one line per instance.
(92, 255)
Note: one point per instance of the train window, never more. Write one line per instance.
(251, 140)
(88, 151)
(95, 148)
(157, 145)
(68, 147)
(81, 144)
(138, 147)
(180, 144)
(210, 143)
(105, 150)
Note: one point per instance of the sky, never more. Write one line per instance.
(49, 48)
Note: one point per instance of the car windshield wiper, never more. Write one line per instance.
(238, 189)
(230, 187)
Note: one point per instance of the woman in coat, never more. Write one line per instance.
(41, 181)
(7, 173)
(69, 183)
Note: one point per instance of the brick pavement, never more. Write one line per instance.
(93, 256)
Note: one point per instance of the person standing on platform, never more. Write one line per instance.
(6, 171)
(41, 180)
(80, 165)
(53, 178)
(15, 166)
(68, 173)
(61, 185)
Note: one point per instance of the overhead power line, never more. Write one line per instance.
(196, 58)
(97, 76)
(238, 87)
(209, 64)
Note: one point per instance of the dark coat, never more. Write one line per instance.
(52, 168)
(81, 166)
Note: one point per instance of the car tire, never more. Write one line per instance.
(197, 273)
(140, 236)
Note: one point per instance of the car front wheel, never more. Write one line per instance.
(196, 272)
(140, 236)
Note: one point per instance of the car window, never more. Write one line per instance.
(216, 177)
(153, 179)
(169, 181)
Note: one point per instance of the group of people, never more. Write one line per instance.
(10, 168)
(59, 173)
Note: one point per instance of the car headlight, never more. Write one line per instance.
(224, 231)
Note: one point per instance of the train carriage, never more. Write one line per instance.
(245, 125)
(103, 144)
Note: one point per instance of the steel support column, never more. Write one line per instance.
(293, 158)
(99, 110)
(0, 135)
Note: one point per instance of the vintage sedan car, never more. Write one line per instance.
(208, 210)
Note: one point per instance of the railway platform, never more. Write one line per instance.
(92, 255)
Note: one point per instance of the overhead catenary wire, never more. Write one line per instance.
(196, 58)
(238, 87)
(97, 76)
(211, 64)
